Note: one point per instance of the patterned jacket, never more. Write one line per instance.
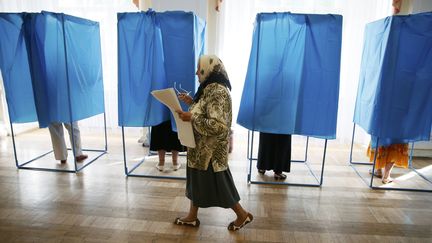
(211, 122)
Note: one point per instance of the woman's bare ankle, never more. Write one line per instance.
(188, 218)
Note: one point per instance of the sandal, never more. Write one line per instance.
(160, 167)
(279, 176)
(194, 223)
(247, 220)
(387, 180)
(175, 167)
(261, 171)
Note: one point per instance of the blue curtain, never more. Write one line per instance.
(394, 97)
(183, 36)
(65, 49)
(84, 63)
(15, 69)
(155, 50)
(50, 57)
(141, 70)
(292, 82)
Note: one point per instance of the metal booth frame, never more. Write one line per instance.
(370, 182)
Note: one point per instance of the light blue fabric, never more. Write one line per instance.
(394, 97)
(156, 50)
(51, 70)
(84, 62)
(292, 82)
(183, 35)
(141, 70)
(15, 69)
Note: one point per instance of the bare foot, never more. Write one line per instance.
(81, 157)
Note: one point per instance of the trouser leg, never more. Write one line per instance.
(76, 137)
(57, 139)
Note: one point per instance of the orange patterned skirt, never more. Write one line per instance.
(397, 153)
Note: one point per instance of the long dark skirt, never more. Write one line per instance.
(211, 189)
(274, 152)
(163, 138)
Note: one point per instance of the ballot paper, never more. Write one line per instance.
(169, 98)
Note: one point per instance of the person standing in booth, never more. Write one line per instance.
(163, 139)
(274, 153)
(388, 156)
(59, 144)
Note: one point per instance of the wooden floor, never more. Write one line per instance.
(100, 204)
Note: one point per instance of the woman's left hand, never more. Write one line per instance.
(184, 115)
(185, 98)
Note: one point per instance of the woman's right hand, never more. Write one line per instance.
(184, 115)
(185, 98)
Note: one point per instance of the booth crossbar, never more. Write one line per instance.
(318, 180)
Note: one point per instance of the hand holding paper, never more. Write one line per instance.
(185, 116)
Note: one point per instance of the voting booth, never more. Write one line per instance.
(394, 100)
(292, 81)
(155, 51)
(52, 72)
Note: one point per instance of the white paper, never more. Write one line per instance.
(169, 98)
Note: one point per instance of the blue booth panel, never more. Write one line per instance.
(15, 69)
(183, 35)
(65, 59)
(292, 82)
(156, 50)
(394, 97)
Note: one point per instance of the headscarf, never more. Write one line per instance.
(211, 71)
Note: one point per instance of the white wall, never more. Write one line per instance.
(199, 7)
(419, 6)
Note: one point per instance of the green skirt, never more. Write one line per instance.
(211, 189)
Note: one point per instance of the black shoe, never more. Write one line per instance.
(233, 227)
(194, 223)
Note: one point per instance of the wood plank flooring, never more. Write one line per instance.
(100, 204)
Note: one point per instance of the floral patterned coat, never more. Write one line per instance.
(211, 122)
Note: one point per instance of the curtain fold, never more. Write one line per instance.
(141, 70)
(15, 69)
